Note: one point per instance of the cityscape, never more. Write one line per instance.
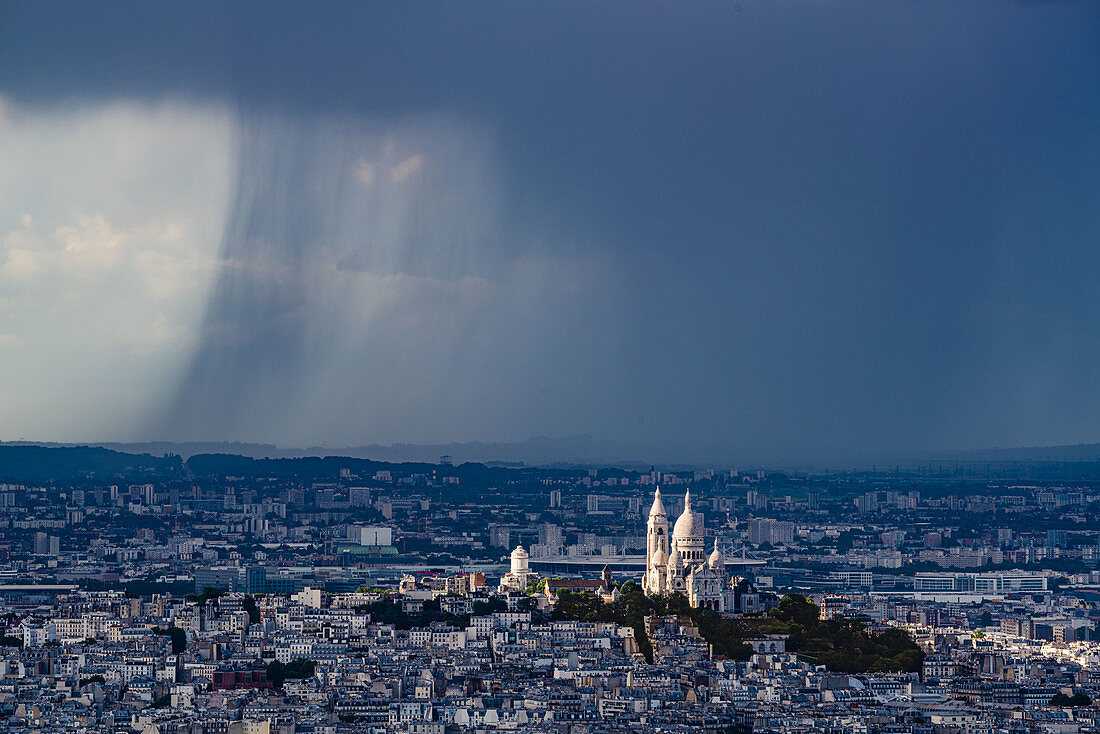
(229, 594)
(572, 367)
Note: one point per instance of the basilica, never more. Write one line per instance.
(678, 563)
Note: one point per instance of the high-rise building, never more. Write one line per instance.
(551, 535)
(500, 536)
(773, 532)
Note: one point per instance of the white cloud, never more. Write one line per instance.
(407, 168)
(363, 172)
(19, 263)
(110, 225)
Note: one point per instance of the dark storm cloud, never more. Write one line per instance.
(795, 225)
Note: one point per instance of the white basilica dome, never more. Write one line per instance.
(690, 523)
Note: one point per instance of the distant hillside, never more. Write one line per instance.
(27, 464)
(328, 468)
(538, 451)
(39, 464)
(1067, 462)
(311, 467)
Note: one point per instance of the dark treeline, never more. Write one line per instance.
(842, 644)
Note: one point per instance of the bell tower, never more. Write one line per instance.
(656, 544)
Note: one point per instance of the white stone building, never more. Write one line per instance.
(678, 563)
(520, 573)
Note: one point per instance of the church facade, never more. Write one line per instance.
(677, 562)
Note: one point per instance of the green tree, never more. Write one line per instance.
(798, 609)
(250, 607)
(276, 673)
(179, 638)
(845, 541)
(208, 593)
(298, 668)
(482, 607)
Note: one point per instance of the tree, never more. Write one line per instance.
(1077, 699)
(301, 668)
(798, 609)
(208, 593)
(276, 673)
(163, 702)
(250, 607)
(482, 607)
(845, 541)
(298, 668)
(179, 638)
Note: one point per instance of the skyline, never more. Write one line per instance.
(777, 229)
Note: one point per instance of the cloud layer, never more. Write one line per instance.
(771, 227)
(111, 221)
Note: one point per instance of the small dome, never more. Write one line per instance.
(674, 560)
(519, 552)
(659, 558)
(690, 523)
(716, 560)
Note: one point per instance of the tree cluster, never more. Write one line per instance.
(297, 669)
(842, 644)
(633, 607)
(386, 611)
(179, 638)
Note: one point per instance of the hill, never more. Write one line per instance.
(40, 464)
(841, 644)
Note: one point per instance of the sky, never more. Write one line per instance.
(772, 228)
